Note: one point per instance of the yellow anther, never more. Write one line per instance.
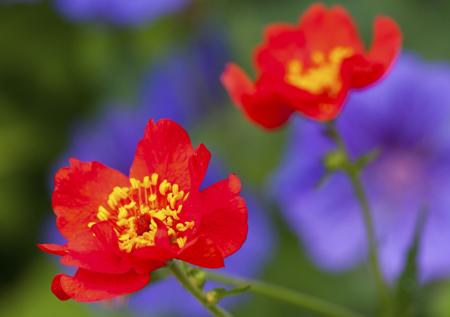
(123, 213)
(175, 189)
(186, 197)
(181, 241)
(124, 237)
(134, 183)
(128, 246)
(154, 180)
(146, 182)
(122, 222)
(170, 212)
(90, 224)
(164, 187)
(161, 215)
(170, 232)
(103, 214)
(131, 205)
(153, 225)
(144, 209)
(172, 200)
(120, 193)
(180, 208)
(112, 202)
(152, 198)
(169, 221)
(183, 227)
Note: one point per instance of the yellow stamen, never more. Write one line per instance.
(138, 210)
(154, 179)
(181, 242)
(103, 214)
(323, 76)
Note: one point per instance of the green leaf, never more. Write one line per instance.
(408, 288)
(217, 294)
(366, 159)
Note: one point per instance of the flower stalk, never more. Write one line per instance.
(180, 274)
(353, 170)
(279, 293)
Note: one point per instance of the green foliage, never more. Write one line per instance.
(408, 290)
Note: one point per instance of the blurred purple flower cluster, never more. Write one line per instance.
(120, 12)
(407, 119)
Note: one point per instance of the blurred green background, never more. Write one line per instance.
(54, 73)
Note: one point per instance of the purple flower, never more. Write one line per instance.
(121, 12)
(180, 88)
(407, 118)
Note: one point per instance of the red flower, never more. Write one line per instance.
(119, 229)
(310, 67)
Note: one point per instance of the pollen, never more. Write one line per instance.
(138, 211)
(323, 73)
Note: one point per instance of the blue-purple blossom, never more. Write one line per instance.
(407, 119)
(120, 12)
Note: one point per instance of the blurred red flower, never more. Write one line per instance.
(311, 67)
(119, 229)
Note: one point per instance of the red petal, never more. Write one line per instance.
(319, 107)
(325, 29)
(365, 70)
(202, 252)
(283, 43)
(51, 248)
(274, 30)
(165, 149)
(267, 108)
(237, 83)
(151, 258)
(97, 250)
(387, 41)
(88, 286)
(199, 165)
(79, 190)
(224, 215)
(57, 289)
(262, 104)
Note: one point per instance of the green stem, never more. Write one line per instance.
(353, 172)
(187, 283)
(286, 295)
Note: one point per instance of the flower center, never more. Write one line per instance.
(323, 75)
(137, 211)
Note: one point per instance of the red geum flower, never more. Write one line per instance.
(310, 67)
(119, 229)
